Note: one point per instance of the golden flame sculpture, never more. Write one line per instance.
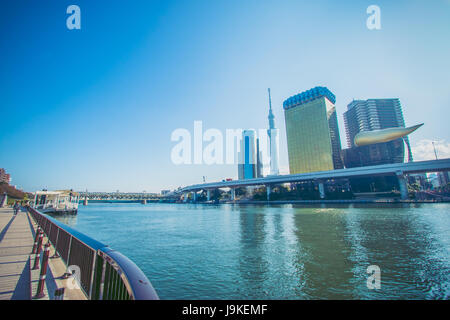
(384, 135)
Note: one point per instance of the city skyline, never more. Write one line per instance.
(95, 110)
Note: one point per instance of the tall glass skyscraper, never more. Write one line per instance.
(250, 165)
(370, 115)
(312, 131)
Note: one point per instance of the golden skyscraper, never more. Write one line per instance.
(312, 131)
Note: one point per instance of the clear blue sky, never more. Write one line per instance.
(94, 108)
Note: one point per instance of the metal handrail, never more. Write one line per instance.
(123, 276)
(135, 280)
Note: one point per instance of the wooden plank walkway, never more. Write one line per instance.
(16, 243)
(17, 280)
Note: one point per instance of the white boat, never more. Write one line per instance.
(56, 202)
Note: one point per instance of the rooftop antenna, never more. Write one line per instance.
(434, 148)
(270, 100)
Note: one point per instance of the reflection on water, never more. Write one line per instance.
(69, 219)
(279, 252)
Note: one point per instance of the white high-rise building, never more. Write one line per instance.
(250, 165)
(273, 135)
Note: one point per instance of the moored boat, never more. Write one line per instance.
(56, 202)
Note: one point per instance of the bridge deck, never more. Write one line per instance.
(378, 170)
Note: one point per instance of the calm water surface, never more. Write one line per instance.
(193, 251)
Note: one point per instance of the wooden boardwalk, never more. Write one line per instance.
(16, 243)
(17, 280)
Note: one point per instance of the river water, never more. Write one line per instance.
(194, 251)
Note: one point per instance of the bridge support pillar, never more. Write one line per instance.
(233, 194)
(268, 191)
(321, 190)
(402, 185)
(185, 197)
(194, 196)
(208, 195)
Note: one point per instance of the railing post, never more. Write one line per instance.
(56, 254)
(49, 229)
(38, 253)
(92, 274)
(66, 275)
(102, 277)
(36, 238)
(40, 289)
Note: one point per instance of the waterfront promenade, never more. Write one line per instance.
(16, 243)
(17, 280)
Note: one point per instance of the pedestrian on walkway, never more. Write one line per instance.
(16, 207)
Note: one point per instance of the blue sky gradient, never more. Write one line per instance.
(95, 108)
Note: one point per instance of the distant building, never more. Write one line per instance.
(371, 115)
(163, 192)
(4, 177)
(250, 165)
(419, 178)
(259, 164)
(443, 178)
(273, 134)
(433, 180)
(312, 131)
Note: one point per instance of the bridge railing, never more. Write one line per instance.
(105, 274)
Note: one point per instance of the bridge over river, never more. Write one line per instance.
(400, 170)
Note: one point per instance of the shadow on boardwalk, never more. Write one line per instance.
(22, 289)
